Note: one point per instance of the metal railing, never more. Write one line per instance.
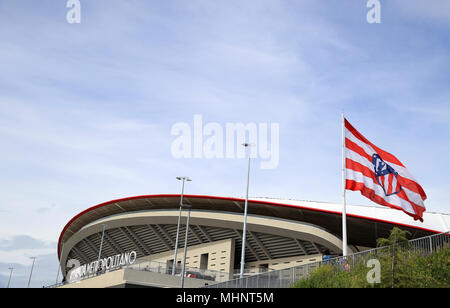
(287, 277)
(190, 272)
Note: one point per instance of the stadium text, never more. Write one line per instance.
(81, 271)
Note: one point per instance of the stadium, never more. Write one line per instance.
(136, 238)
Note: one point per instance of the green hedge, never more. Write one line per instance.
(399, 269)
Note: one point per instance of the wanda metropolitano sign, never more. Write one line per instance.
(80, 272)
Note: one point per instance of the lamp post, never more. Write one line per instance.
(100, 268)
(244, 232)
(185, 245)
(60, 259)
(10, 275)
(31, 273)
(183, 179)
(101, 243)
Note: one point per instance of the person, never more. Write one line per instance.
(346, 265)
(326, 257)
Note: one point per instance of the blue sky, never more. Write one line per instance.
(86, 109)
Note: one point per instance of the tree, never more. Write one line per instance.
(397, 237)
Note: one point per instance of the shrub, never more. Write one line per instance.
(401, 267)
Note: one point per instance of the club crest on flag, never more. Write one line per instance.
(386, 176)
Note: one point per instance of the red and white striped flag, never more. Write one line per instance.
(380, 176)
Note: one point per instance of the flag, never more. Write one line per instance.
(380, 176)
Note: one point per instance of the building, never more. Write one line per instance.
(280, 234)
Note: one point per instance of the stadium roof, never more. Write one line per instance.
(365, 224)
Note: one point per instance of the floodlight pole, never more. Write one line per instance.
(101, 244)
(244, 232)
(183, 179)
(60, 260)
(10, 275)
(31, 273)
(185, 245)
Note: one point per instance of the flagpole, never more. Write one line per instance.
(344, 213)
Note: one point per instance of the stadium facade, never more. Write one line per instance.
(139, 237)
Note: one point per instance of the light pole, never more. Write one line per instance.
(244, 232)
(60, 259)
(183, 179)
(10, 275)
(185, 245)
(101, 244)
(31, 273)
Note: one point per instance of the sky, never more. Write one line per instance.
(86, 110)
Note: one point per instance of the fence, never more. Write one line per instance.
(287, 277)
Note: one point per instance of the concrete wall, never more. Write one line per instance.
(143, 278)
(278, 264)
(220, 256)
(102, 281)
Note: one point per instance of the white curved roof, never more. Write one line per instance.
(432, 221)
